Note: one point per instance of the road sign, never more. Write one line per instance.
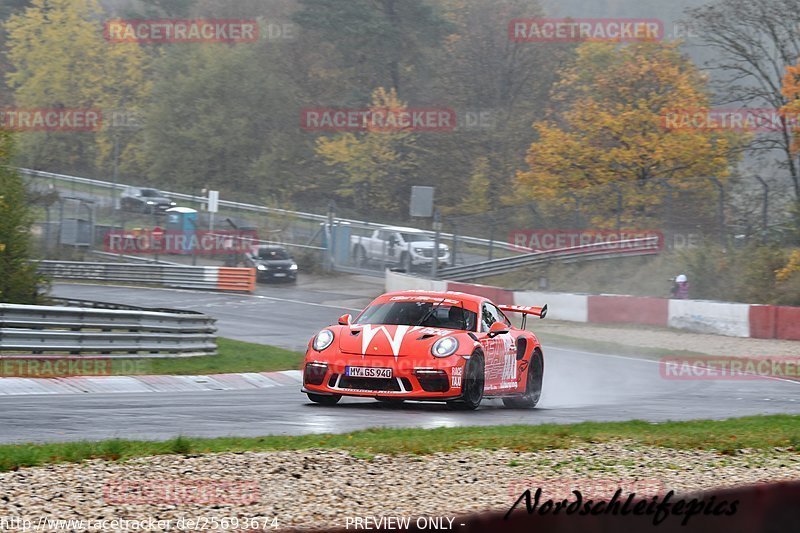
(421, 201)
(213, 201)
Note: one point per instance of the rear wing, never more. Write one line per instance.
(525, 310)
(541, 312)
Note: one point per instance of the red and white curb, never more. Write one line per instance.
(150, 383)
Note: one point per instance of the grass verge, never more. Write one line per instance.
(232, 356)
(724, 436)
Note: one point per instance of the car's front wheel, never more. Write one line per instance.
(472, 385)
(533, 386)
(324, 399)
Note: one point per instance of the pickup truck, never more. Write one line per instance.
(406, 247)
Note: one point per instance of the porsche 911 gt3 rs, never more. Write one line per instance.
(425, 345)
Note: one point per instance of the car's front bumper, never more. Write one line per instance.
(422, 260)
(276, 275)
(413, 378)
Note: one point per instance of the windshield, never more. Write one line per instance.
(273, 254)
(151, 193)
(415, 237)
(446, 315)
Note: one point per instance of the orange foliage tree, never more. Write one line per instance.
(609, 131)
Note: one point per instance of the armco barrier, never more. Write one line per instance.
(187, 277)
(91, 330)
(613, 309)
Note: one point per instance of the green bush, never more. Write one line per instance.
(19, 282)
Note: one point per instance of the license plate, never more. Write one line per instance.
(367, 372)
(279, 275)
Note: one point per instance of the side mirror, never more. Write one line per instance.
(345, 320)
(498, 328)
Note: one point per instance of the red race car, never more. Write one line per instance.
(426, 345)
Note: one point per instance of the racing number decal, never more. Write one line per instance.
(501, 362)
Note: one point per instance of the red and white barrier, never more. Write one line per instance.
(700, 316)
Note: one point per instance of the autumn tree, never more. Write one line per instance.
(60, 59)
(610, 132)
(790, 89)
(374, 169)
(752, 44)
(381, 43)
(498, 88)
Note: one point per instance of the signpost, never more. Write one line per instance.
(213, 207)
(157, 236)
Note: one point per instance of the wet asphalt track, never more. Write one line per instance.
(578, 386)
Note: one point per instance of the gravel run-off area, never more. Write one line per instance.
(322, 488)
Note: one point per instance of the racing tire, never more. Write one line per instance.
(405, 262)
(324, 399)
(533, 385)
(360, 257)
(473, 385)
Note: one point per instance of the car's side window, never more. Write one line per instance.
(486, 318)
(490, 315)
(500, 316)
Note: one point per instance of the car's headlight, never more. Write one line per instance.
(444, 347)
(172, 203)
(293, 267)
(418, 250)
(150, 202)
(261, 267)
(323, 339)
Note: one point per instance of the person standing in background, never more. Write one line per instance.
(680, 289)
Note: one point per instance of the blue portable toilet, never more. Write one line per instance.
(181, 221)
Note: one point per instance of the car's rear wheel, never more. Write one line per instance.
(533, 386)
(472, 385)
(324, 399)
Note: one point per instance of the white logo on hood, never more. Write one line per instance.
(395, 341)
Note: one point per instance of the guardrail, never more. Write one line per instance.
(629, 247)
(185, 277)
(88, 330)
(259, 208)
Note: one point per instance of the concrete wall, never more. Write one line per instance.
(700, 316)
